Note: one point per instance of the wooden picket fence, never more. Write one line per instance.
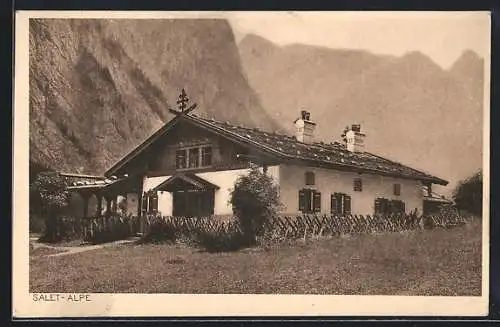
(98, 229)
(292, 227)
(115, 227)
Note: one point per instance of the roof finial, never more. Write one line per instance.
(183, 100)
(182, 104)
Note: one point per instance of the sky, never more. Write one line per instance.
(443, 36)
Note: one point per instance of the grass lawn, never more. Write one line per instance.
(437, 262)
(43, 251)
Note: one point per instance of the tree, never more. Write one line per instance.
(48, 197)
(254, 199)
(468, 195)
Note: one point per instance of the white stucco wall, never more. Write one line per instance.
(132, 204)
(165, 203)
(330, 181)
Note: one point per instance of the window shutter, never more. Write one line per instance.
(378, 206)
(153, 203)
(317, 201)
(333, 204)
(347, 204)
(302, 201)
(144, 202)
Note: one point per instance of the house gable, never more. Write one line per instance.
(159, 156)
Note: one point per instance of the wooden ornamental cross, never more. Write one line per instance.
(182, 104)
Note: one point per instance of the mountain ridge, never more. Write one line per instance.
(413, 110)
(100, 87)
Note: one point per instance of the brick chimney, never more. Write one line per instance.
(354, 138)
(304, 127)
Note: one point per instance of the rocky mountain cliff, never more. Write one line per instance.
(100, 87)
(411, 109)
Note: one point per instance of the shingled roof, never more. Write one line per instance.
(331, 155)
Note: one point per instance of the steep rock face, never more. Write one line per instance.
(412, 110)
(100, 87)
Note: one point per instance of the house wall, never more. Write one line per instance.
(223, 179)
(292, 179)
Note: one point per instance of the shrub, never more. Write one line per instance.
(37, 224)
(468, 195)
(219, 242)
(48, 198)
(254, 200)
(160, 230)
(108, 229)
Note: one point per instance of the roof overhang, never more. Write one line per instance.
(263, 148)
(185, 181)
(433, 199)
(108, 186)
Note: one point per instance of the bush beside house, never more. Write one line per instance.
(468, 195)
(48, 198)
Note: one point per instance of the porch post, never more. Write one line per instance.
(99, 205)
(108, 205)
(114, 204)
(85, 197)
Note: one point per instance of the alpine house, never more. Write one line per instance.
(188, 167)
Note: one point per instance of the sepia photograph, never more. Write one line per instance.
(250, 158)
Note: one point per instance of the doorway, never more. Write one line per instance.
(193, 203)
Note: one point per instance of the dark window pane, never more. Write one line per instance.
(194, 157)
(180, 159)
(306, 201)
(206, 156)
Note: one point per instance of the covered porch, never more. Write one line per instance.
(105, 197)
(191, 196)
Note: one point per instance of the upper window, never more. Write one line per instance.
(193, 157)
(206, 156)
(310, 178)
(358, 185)
(397, 189)
(180, 159)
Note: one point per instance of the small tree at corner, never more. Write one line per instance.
(254, 199)
(49, 196)
(468, 195)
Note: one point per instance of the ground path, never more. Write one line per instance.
(66, 250)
